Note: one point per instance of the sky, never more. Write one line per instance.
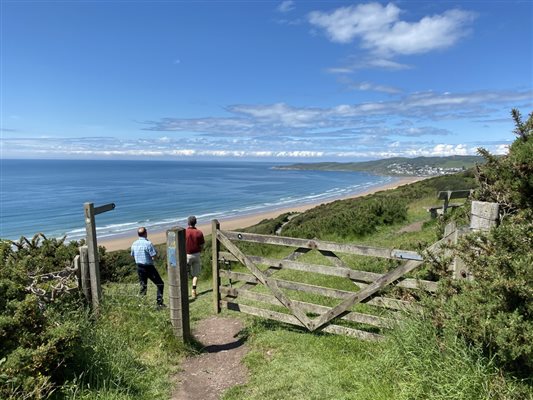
(262, 80)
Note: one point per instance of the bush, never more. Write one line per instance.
(494, 311)
(37, 343)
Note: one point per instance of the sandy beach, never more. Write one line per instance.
(158, 237)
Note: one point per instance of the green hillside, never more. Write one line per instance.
(397, 166)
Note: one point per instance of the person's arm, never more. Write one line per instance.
(152, 251)
(202, 242)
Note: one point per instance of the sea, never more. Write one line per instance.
(47, 196)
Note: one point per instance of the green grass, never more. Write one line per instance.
(139, 353)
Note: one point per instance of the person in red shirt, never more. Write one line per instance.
(194, 243)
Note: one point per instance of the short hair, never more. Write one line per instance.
(141, 231)
(191, 220)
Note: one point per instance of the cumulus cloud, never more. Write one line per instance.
(380, 30)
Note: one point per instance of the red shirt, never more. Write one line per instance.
(194, 239)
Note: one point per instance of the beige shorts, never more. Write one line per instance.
(194, 263)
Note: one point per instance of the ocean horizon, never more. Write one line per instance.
(48, 195)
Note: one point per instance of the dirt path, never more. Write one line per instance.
(414, 227)
(206, 376)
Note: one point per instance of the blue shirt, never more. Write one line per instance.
(143, 250)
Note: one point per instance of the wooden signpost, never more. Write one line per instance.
(92, 249)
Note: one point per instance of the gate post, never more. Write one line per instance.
(484, 215)
(84, 274)
(178, 285)
(215, 225)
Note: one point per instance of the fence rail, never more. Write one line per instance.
(241, 286)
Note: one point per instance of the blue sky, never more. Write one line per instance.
(263, 80)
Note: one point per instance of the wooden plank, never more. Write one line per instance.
(374, 287)
(356, 333)
(453, 194)
(300, 251)
(342, 272)
(104, 208)
(384, 302)
(259, 312)
(363, 294)
(290, 319)
(269, 282)
(353, 316)
(303, 287)
(215, 250)
(392, 304)
(320, 245)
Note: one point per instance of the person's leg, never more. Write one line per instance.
(141, 272)
(154, 276)
(196, 266)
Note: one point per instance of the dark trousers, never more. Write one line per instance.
(145, 272)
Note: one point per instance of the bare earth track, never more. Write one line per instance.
(207, 375)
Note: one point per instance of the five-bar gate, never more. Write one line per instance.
(253, 288)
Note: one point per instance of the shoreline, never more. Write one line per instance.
(159, 237)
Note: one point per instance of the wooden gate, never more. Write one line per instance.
(260, 271)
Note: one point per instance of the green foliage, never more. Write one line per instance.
(494, 310)
(36, 341)
(508, 180)
(349, 218)
(116, 266)
(358, 217)
(419, 361)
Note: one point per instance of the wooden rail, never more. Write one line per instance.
(312, 316)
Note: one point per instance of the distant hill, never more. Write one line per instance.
(397, 166)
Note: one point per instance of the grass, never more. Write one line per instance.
(135, 355)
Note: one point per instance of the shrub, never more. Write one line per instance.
(37, 342)
(494, 311)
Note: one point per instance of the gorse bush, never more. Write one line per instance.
(494, 310)
(37, 342)
(508, 180)
(347, 218)
(358, 217)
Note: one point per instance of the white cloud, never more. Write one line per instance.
(380, 30)
(346, 23)
(450, 150)
(286, 6)
(501, 149)
(338, 148)
(280, 119)
(369, 86)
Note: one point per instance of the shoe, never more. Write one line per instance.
(159, 306)
(194, 294)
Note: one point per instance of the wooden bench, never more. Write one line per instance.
(448, 195)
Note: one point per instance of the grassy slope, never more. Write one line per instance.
(286, 362)
(381, 166)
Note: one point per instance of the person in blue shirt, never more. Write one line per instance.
(144, 253)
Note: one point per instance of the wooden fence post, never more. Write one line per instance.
(178, 285)
(92, 246)
(215, 225)
(484, 215)
(84, 273)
